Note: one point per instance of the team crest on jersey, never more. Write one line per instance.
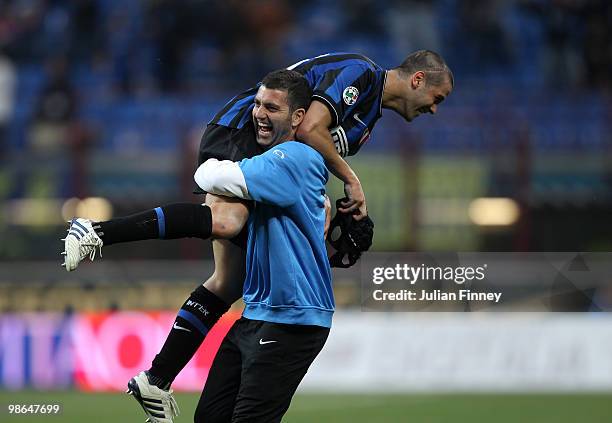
(350, 95)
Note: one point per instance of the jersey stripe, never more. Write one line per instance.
(227, 113)
(330, 106)
(332, 58)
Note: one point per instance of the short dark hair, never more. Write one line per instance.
(436, 70)
(299, 93)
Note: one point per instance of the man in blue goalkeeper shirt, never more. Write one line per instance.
(349, 93)
(287, 290)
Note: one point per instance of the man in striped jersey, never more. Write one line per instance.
(349, 93)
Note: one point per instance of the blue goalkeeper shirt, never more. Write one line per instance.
(288, 278)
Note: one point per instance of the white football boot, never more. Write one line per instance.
(81, 241)
(158, 404)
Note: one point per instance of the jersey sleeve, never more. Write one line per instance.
(274, 177)
(221, 178)
(342, 89)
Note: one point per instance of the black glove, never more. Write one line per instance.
(355, 237)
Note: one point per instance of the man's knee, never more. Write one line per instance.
(227, 222)
(229, 216)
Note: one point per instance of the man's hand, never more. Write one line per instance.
(354, 238)
(355, 200)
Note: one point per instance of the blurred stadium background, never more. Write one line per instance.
(102, 105)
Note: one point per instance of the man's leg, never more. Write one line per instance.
(209, 301)
(275, 359)
(200, 312)
(173, 221)
(206, 304)
(218, 397)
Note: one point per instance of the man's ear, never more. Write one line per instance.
(297, 117)
(418, 78)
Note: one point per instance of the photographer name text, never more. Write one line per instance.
(435, 295)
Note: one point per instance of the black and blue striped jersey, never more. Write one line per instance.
(350, 85)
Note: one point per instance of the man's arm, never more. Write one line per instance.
(222, 178)
(314, 131)
(273, 177)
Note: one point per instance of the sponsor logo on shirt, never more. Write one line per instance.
(350, 95)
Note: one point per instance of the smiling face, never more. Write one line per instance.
(272, 117)
(420, 97)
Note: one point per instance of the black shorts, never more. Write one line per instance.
(256, 371)
(223, 143)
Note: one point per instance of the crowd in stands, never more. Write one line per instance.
(127, 78)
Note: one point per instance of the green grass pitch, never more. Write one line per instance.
(422, 408)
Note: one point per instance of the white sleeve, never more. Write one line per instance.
(222, 178)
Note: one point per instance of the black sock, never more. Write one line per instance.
(195, 318)
(180, 220)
